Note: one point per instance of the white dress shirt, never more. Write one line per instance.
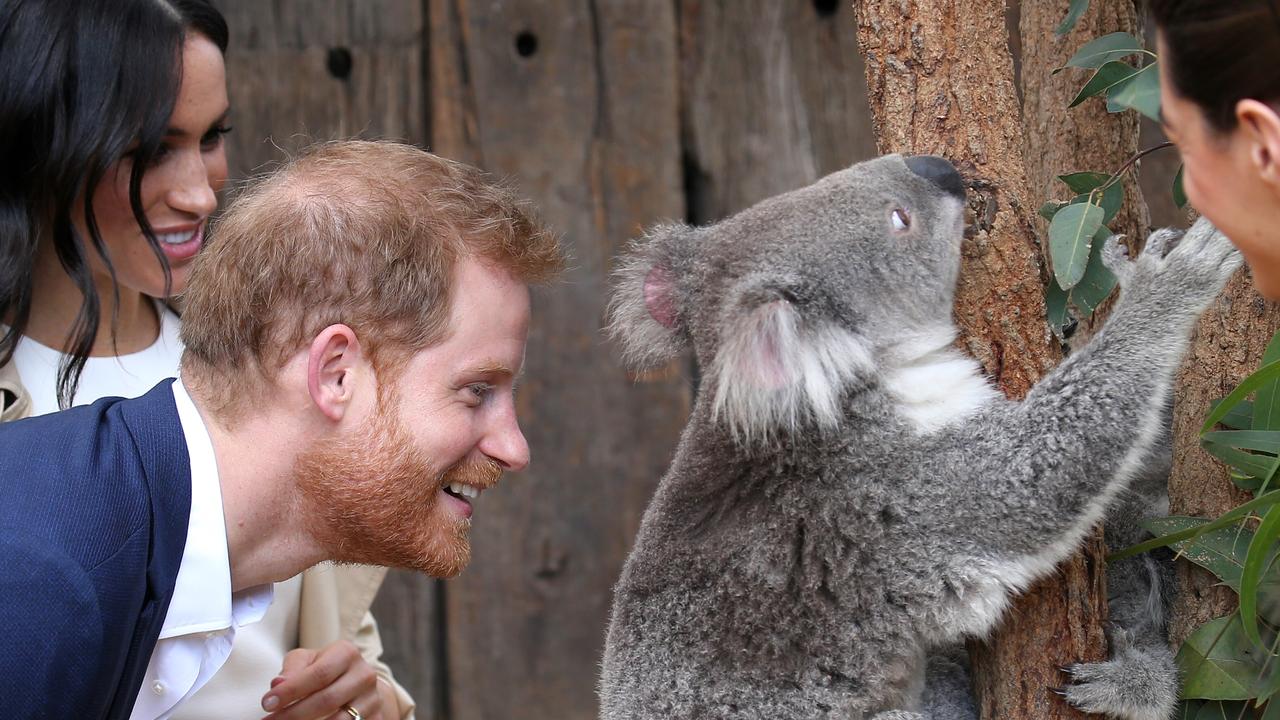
(204, 614)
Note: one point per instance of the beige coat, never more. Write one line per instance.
(335, 599)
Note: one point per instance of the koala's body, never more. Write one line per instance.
(850, 492)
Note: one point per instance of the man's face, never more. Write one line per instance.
(398, 491)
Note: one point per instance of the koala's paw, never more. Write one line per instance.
(1135, 684)
(897, 715)
(1186, 270)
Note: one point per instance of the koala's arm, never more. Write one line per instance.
(1023, 482)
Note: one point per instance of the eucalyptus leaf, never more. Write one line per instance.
(1055, 302)
(1071, 235)
(1083, 182)
(1051, 208)
(1217, 662)
(1140, 91)
(1258, 466)
(1272, 711)
(1260, 440)
(1100, 51)
(1073, 16)
(1179, 191)
(1219, 710)
(1260, 377)
(1239, 417)
(1097, 282)
(1103, 80)
(1224, 520)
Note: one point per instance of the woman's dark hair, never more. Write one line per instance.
(1219, 52)
(81, 84)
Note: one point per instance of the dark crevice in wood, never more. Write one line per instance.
(444, 697)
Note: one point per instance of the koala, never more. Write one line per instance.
(850, 492)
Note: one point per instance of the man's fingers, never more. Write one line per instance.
(336, 676)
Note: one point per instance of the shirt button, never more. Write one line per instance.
(158, 688)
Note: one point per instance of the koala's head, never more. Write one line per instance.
(792, 302)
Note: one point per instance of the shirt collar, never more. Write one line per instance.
(202, 599)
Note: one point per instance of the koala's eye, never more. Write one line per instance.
(901, 219)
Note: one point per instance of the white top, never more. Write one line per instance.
(204, 614)
(112, 376)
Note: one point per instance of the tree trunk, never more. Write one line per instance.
(940, 79)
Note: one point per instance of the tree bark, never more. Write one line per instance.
(940, 80)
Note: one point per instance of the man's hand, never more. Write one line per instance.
(321, 684)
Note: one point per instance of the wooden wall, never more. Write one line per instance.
(610, 115)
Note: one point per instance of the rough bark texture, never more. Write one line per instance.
(940, 80)
(1229, 342)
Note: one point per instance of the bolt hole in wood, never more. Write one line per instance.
(526, 44)
(826, 8)
(339, 62)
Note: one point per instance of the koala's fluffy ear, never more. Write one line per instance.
(645, 314)
(777, 368)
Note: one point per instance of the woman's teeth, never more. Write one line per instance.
(177, 238)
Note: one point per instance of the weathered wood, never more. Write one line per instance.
(774, 98)
(940, 81)
(305, 70)
(1228, 345)
(576, 101)
(289, 83)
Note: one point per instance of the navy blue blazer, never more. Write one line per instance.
(93, 521)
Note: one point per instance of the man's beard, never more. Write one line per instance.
(374, 498)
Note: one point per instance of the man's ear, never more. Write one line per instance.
(646, 313)
(331, 361)
(1262, 124)
(776, 367)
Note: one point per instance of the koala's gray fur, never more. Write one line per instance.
(849, 492)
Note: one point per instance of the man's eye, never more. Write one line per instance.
(901, 219)
(480, 390)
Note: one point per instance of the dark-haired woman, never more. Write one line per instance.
(111, 161)
(1220, 102)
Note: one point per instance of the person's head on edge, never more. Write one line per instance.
(1219, 97)
(376, 295)
(111, 123)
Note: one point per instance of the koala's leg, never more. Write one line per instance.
(1037, 475)
(948, 687)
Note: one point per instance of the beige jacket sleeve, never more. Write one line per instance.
(15, 403)
(335, 606)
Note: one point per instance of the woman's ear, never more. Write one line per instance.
(646, 314)
(1261, 123)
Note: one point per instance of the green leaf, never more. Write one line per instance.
(1258, 466)
(1179, 192)
(1097, 282)
(1217, 662)
(1261, 549)
(1266, 403)
(1140, 91)
(1073, 16)
(1223, 552)
(1259, 378)
(1261, 440)
(1239, 417)
(1272, 711)
(1055, 303)
(1049, 209)
(1105, 49)
(1070, 237)
(1227, 519)
(1103, 80)
(1083, 182)
(1219, 710)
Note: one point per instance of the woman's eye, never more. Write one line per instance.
(212, 138)
(900, 219)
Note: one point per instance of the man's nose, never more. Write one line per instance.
(939, 171)
(508, 446)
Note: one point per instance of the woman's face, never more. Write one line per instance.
(1223, 182)
(178, 190)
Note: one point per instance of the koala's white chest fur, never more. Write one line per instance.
(935, 385)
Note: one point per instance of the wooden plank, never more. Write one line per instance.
(302, 70)
(290, 81)
(576, 101)
(774, 98)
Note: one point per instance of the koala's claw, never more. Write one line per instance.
(1161, 242)
(1115, 256)
(1134, 685)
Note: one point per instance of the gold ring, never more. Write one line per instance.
(354, 713)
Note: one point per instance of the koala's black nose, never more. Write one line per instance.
(942, 173)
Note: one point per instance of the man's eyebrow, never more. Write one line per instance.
(492, 367)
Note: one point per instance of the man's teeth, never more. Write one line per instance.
(176, 238)
(464, 490)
